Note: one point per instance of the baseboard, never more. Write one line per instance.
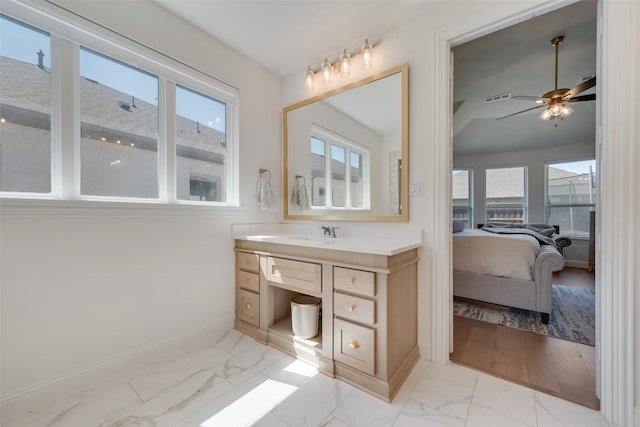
(25, 398)
(576, 263)
(425, 350)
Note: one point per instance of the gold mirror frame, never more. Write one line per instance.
(404, 176)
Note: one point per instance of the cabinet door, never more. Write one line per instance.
(248, 307)
(354, 345)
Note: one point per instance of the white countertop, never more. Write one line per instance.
(372, 241)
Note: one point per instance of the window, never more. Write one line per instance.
(118, 128)
(571, 195)
(25, 108)
(505, 194)
(201, 142)
(102, 128)
(461, 194)
(338, 172)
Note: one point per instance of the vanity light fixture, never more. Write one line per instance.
(326, 71)
(342, 65)
(345, 64)
(309, 77)
(365, 50)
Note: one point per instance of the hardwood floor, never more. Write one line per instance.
(562, 368)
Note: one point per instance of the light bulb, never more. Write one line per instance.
(365, 50)
(345, 64)
(326, 71)
(566, 111)
(309, 77)
(546, 114)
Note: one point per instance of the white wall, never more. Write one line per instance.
(85, 284)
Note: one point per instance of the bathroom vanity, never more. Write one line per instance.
(368, 327)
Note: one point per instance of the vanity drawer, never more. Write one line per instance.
(248, 307)
(250, 281)
(248, 262)
(355, 281)
(354, 308)
(295, 275)
(354, 345)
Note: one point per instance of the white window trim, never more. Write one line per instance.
(65, 112)
(331, 138)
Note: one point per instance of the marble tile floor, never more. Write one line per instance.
(239, 382)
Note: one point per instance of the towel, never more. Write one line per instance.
(300, 196)
(265, 193)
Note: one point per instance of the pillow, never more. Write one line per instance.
(458, 226)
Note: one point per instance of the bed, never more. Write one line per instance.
(506, 268)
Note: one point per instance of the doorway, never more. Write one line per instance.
(488, 84)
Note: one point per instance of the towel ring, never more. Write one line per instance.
(298, 177)
(265, 170)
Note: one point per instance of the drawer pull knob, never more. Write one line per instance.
(352, 280)
(353, 344)
(352, 308)
(247, 306)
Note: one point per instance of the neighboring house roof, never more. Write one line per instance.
(510, 185)
(106, 113)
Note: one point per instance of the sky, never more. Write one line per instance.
(22, 42)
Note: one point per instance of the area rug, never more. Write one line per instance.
(572, 315)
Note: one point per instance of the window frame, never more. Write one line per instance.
(547, 202)
(68, 33)
(331, 138)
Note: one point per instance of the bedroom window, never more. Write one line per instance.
(25, 127)
(505, 193)
(461, 196)
(571, 195)
(339, 168)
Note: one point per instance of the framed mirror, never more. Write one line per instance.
(346, 152)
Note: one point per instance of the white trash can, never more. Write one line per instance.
(305, 312)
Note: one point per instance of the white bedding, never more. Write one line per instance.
(504, 255)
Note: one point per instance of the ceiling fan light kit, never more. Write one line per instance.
(555, 100)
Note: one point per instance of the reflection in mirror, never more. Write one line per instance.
(346, 152)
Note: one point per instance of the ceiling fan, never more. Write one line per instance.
(556, 100)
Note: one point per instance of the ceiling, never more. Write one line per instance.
(517, 60)
(521, 60)
(286, 36)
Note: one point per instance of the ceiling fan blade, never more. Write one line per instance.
(523, 111)
(590, 97)
(587, 84)
(528, 98)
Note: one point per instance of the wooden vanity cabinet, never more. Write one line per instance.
(368, 332)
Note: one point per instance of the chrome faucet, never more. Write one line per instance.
(329, 231)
